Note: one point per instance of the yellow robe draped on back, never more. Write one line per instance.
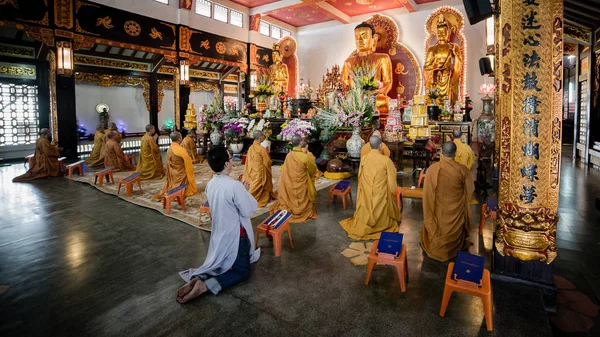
(258, 172)
(297, 192)
(464, 154)
(447, 191)
(367, 148)
(189, 144)
(179, 171)
(45, 162)
(376, 208)
(96, 158)
(150, 163)
(114, 156)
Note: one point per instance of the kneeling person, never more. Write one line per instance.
(114, 156)
(231, 248)
(179, 169)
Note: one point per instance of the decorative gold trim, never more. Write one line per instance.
(17, 51)
(63, 13)
(204, 74)
(230, 88)
(132, 28)
(52, 83)
(116, 80)
(176, 84)
(44, 21)
(9, 70)
(109, 63)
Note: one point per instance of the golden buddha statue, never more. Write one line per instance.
(443, 63)
(278, 71)
(366, 42)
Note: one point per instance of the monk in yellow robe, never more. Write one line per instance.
(119, 136)
(367, 147)
(446, 211)
(257, 171)
(45, 160)
(297, 192)
(179, 169)
(96, 158)
(376, 208)
(114, 156)
(150, 164)
(189, 144)
(464, 153)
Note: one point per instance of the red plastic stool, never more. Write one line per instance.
(205, 208)
(128, 182)
(401, 263)
(345, 194)
(104, 173)
(276, 233)
(76, 165)
(176, 193)
(484, 292)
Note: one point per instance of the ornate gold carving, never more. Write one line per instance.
(166, 70)
(231, 78)
(52, 83)
(64, 33)
(203, 74)
(577, 33)
(63, 15)
(596, 79)
(205, 44)
(9, 2)
(400, 69)
(105, 21)
(132, 28)
(100, 62)
(184, 38)
(44, 35)
(392, 51)
(266, 57)
(176, 84)
(21, 71)
(16, 51)
(116, 80)
(230, 89)
(44, 21)
(155, 34)
(220, 47)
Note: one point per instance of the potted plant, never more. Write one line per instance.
(214, 118)
(296, 127)
(234, 134)
(433, 110)
(264, 89)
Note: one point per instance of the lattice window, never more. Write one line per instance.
(204, 7)
(264, 28)
(236, 18)
(275, 32)
(19, 114)
(221, 13)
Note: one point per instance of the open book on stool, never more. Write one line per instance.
(390, 243)
(468, 267)
(342, 185)
(277, 219)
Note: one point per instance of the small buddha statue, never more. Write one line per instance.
(366, 42)
(443, 63)
(278, 71)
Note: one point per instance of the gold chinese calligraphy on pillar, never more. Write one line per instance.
(529, 104)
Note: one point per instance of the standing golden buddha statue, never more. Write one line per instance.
(366, 42)
(443, 63)
(278, 72)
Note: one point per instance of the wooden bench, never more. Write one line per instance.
(104, 173)
(343, 190)
(29, 160)
(128, 182)
(176, 193)
(132, 158)
(76, 165)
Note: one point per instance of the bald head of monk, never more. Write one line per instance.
(176, 137)
(112, 126)
(45, 132)
(100, 128)
(296, 141)
(376, 133)
(375, 142)
(111, 135)
(150, 128)
(258, 136)
(449, 149)
(457, 134)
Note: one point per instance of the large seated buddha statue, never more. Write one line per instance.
(443, 63)
(366, 42)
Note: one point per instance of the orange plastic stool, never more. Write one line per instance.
(276, 233)
(76, 165)
(132, 158)
(345, 194)
(176, 193)
(486, 213)
(421, 177)
(398, 195)
(104, 173)
(128, 182)
(205, 208)
(484, 292)
(401, 264)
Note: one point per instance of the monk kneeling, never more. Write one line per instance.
(446, 212)
(464, 153)
(150, 163)
(297, 192)
(258, 171)
(367, 147)
(189, 143)
(179, 169)
(114, 156)
(376, 208)
(231, 248)
(45, 161)
(96, 158)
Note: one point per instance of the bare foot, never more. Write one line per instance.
(186, 288)
(198, 289)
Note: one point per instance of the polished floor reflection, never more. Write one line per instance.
(74, 261)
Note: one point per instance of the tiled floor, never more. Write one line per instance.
(74, 261)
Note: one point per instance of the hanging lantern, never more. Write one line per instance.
(184, 71)
(64, 58)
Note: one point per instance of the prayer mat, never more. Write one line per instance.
(202, 173)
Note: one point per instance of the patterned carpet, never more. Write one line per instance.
(191, 217)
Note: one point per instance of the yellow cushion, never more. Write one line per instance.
(338, 175)
(416, 193)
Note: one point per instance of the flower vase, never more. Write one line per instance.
(236, 148)
(215, 136)
(355, 143)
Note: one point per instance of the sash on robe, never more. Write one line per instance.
(179, 171)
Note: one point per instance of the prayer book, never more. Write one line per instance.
(205, 204)
(277, 219)
(468, 267)
(342, 185)
(492, 204)
(390, 243)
